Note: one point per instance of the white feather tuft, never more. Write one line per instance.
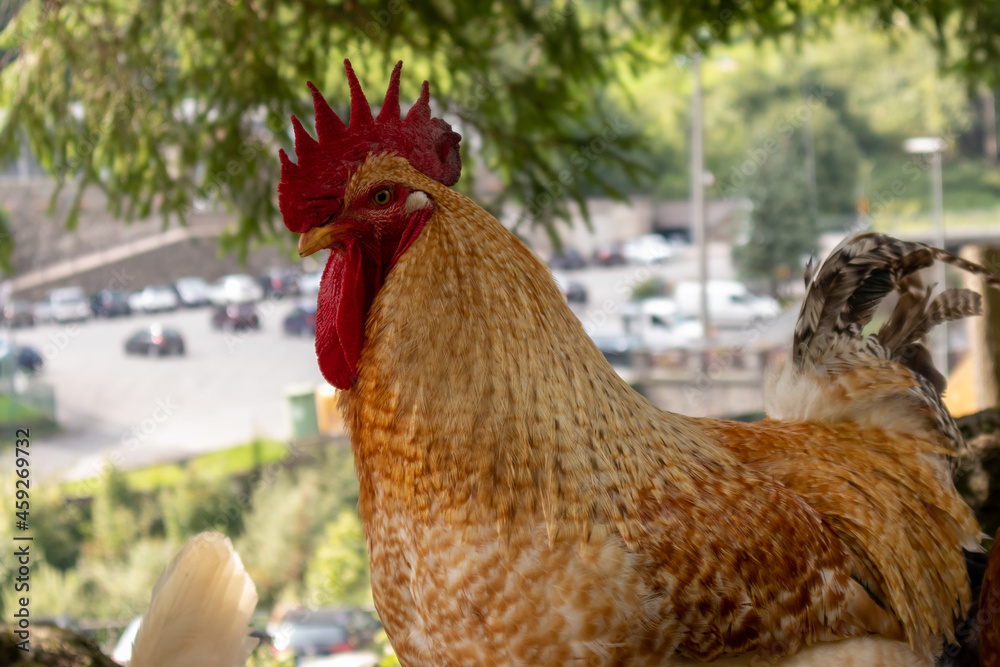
(199, 615)
(416, 201)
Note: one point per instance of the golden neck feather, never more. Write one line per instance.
(478, 380)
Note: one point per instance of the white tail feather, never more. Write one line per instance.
(199, 615)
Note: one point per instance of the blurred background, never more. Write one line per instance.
(675, 164)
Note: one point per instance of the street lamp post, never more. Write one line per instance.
(934, 146)
(698, 225)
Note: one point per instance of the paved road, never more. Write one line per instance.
(228, 388)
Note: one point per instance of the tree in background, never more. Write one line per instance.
(115, 517)
(782, 229)
(816, 136)
(102, 562)
(57, 527)
(866, 89)
(196, 504)
(183, 104)
(180, 104)
(338, 573)
(838, 161)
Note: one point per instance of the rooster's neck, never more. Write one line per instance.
(478, 380)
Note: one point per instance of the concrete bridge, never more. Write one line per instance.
(957, 235)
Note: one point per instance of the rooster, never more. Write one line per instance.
(522, 505)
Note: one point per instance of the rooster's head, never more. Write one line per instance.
(357, 190)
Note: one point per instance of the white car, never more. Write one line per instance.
(69, 304)
(155, 299)
(573, 290)
(648, 249)
(309, 283)
(659, 326)
(42, 312)
(193, 291)
(235, 288)
(730, 303)
(134, 301)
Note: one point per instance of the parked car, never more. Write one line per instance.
(658, 325)
(235, 288)
(610, 254)
(574, 291)
(110, 303)
(302, 320)
(19, 314)
(306, 634)
(28, 359)
(192, 292)
(567, 259)
(648, 249)
(69, 304)
(279, 283)
(236, 317)
(730, 303)
(135, 301)
(616, 348)
(157, 299)
(155, 341)
(309, 283)
(42, 312)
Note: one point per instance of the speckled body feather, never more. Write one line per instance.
(523, 506)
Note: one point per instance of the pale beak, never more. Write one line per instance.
(318, 238)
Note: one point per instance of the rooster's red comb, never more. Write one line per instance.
(311, 190)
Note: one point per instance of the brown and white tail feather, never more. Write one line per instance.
(842, 295)
(951, 304)
(914, 316)
(860, 272)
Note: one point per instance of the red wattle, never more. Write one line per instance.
(340, 313)
(350, 282)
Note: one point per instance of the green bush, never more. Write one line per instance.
(57, 528)
(338, 573)
(650, 288)
(286, 520)
(197, 504)
(115, 517)
(98, 555)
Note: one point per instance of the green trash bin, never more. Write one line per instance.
(301, 401)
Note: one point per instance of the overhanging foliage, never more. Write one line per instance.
(178, 104)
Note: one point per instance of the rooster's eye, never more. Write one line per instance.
(382, 197)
